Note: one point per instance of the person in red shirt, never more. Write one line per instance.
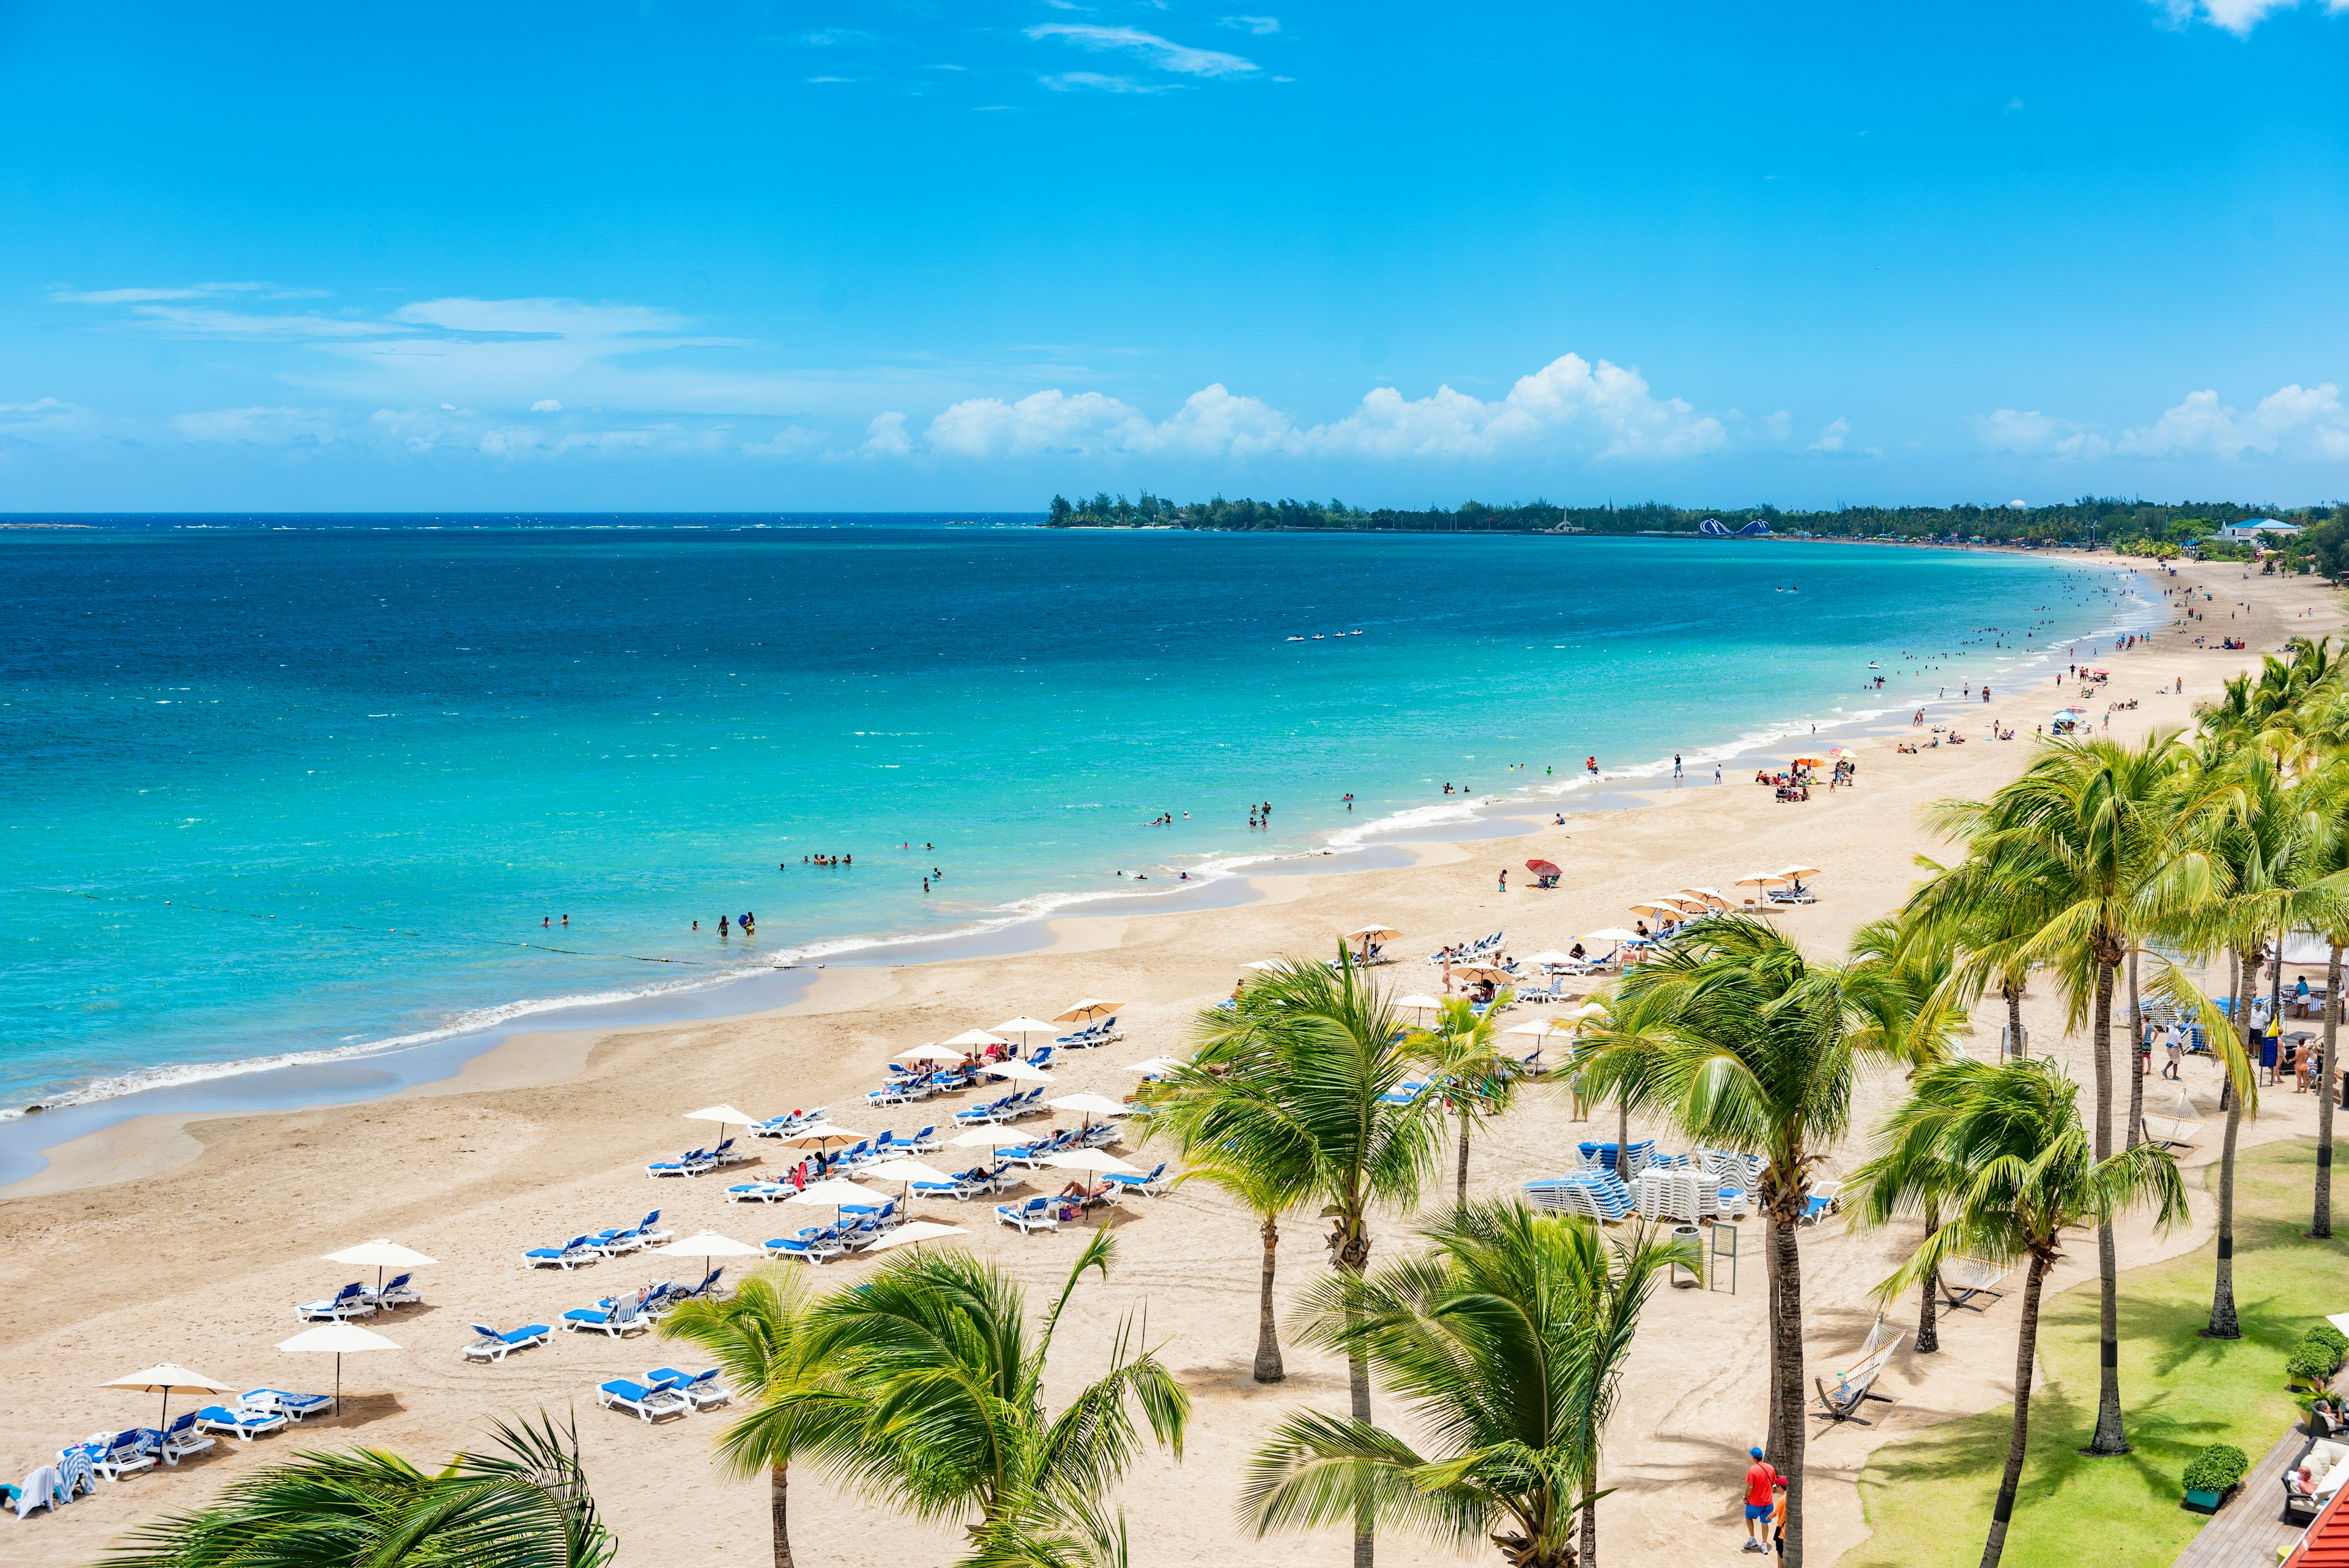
(1758, 1510)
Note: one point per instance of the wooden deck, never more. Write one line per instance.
(2250, 1531)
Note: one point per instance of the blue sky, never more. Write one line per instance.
(794, 255)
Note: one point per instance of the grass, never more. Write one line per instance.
(1929, 1497)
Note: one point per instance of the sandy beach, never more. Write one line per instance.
(189, 1240)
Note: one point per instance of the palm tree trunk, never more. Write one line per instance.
(2223, 1323)
(2136, 1058)
(1353, 1256)
(2026, 1349)
(1623, 1132)
(779, 1491)
(2014, 1019)
(1589, 1543)
(2322, 1225)
(2111, 1436)
(1464, 1152)
(1269, 1368)
(1787, 1366)
(1929, 1326)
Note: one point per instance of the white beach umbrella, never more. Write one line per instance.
(1019, 1072)
(1711, 896)
(1796, 873)
(339, 1340)
(1023, 1026)
(1546, 1028)
(1549, 958)
(710, 1244)
(167, 1380)
(1758, 879)
(723, 1115)
(1373, 934)
(1267, 965)
(1086, 1008)
(986, 1138)
(905, 1170)
(1090, 1105)
(977, 1039)
(918, 1231)
(1158, 1065)
(1417, 1002)
(1612, 934)
(931, 1053)
(1090, 1160)
(383, 1255)
(835, 1193)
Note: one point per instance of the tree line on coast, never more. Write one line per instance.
(1485, 1341)
(2135, 527)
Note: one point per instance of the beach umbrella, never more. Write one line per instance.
(339, 1340)
(988, 1138)
(1758, 879)
(167, 1380)
(1542, 1028)
(1491, 972)
(1551, 958)
(1019, 1072)
(977, 1039)
(1023, 1026)
(822, 1136)
(930, 1054)
(723, 1115)
(1840, 751)
(1613, 934)
(1416, 1003)
(711, 1244)
(905, 1172)
(918, 1231)
(1090, 1161)
(1543, 868)
(1373, 934)
(1656, 907)
(1711, 896)
(1085, 1010)
(1267, 965)
(835, 1191)
(1796, 873)
(383, 1255)
(1090, 1105)
(1161, 1065)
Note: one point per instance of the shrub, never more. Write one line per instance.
(2318, 1356)
(2325, 1333)
(2216, 1467)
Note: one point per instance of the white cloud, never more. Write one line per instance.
(1604, 410)
(2237, 17)
(2294, 422)
(1073, 81)
(1163, 52)
(549, 318)
(885, 436)
(264, 426)
(189, 291)
(1262, 26)
(1832, 436)
(208, 321)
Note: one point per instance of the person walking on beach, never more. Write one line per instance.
(1758, 1505)
(1505, 879)
(1676, 767)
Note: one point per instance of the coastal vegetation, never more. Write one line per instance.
(2129, 526)
(523, 1501)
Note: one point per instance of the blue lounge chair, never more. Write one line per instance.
(648, 1232)
(489, 1344)
(610, 1316)
(126, 1453)
(648, 1405)
(294, 1406)
(578, 1250)
(813, 1244)
(701, 1389)
(1151, 1186)
(759, 1191)
(1036, 1214)
(351, 1301)
(692, 1162)
(180, 1440)
(246, 1424)
(398, 1292)
(959, 1188)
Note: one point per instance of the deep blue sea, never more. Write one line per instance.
(279, 787)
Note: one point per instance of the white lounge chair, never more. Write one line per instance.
(489, 1344)
(648, 1405)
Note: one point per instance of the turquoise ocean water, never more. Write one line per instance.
(296, 789)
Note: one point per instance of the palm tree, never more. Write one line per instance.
(1302, 1077)
(2003, 1149)
(1505, 1340)
(2102, 840)
(1475, 1071)
(522, 1503)
(760, 1337)
(939, 1408)
(1268, 1193)
(1745, 1044)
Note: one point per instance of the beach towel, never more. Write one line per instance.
(79, 1475)
(43, 1489)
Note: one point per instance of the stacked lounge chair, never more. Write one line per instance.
(1686, 1195)
(1595, 1194)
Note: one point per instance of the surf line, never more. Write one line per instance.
(371, 930)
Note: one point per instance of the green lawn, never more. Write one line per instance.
(1929, 1497)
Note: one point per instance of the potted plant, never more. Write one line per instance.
(2213, 1473)
(2316, 1357)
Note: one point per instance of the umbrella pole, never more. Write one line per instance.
(338, 1385)
(163, 1420)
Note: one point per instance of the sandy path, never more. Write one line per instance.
(190, 1241)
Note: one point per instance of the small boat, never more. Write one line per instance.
(1319, 637)
(1297, 639)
